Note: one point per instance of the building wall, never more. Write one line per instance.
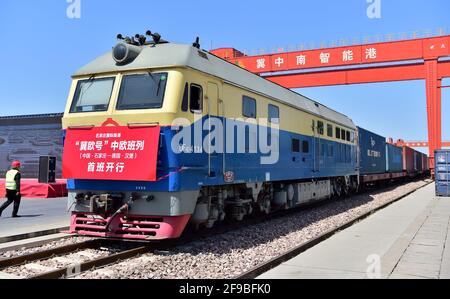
(25, 138)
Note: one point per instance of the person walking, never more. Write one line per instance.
(12, 185)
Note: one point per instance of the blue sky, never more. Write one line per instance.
(42, 47)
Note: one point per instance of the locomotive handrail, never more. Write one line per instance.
(142, 125)
(86, 127)
(222, 104)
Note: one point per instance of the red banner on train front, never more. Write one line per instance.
(111, 153)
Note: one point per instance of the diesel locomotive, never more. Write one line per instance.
(160, 135)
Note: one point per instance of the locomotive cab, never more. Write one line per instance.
(138, 91)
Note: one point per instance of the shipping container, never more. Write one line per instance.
(394, 158)
(442, 161)
(418, 161)
(409, 164)
(372, 152)
(426, 163)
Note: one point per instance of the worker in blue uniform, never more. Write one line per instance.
(12, 186)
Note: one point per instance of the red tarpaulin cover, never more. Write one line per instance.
(111, 153)
(32, 189)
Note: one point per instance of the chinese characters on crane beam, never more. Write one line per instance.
(309, 58)
(371, 53)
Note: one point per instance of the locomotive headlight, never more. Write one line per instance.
(119, 52)
(125, 53)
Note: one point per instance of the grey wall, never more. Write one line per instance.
(26, 139)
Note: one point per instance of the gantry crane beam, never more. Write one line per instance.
(417, 59)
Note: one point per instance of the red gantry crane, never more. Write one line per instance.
(424, 58)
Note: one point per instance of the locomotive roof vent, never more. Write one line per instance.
(129, 48)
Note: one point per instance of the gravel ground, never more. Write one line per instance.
(50, 245)
(233, 253)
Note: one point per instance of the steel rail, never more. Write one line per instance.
(77, 269)
(45, 254)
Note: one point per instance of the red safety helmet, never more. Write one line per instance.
(15, 164)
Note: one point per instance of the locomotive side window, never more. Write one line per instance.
(185, 101)
(338, 133)
(274, 114)
(295, 145)
(92, 95)
(144, 91)
(248, 107)
(348, 136)
(330, 130)
(196, 98)
(343, 135)
(320, 127)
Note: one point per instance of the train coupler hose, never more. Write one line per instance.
(125, 208)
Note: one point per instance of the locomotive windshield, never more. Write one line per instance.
(144, 91)
(92, 95)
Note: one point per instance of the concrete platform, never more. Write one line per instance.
(37, 215)
(409, 239)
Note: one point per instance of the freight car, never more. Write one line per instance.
(415, 163)
(380, 161)
(159, 135)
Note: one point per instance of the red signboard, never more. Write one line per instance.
(347, 56)
(111, 153)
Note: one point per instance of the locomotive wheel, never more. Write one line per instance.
(266, 205)
(337, 188)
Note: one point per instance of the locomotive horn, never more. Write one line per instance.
(197, 43)
(141, 39)
(156, 36)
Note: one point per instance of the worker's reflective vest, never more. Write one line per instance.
(10, 182)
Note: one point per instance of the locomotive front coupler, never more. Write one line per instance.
(105, 204)
(123, 209)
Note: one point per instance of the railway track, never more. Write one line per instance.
(114, 252)
(134, 250)
(286, 256)
(74, 269)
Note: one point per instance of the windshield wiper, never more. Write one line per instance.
(154, 80)
(90, 81)
(159, 86)
(152, 76)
